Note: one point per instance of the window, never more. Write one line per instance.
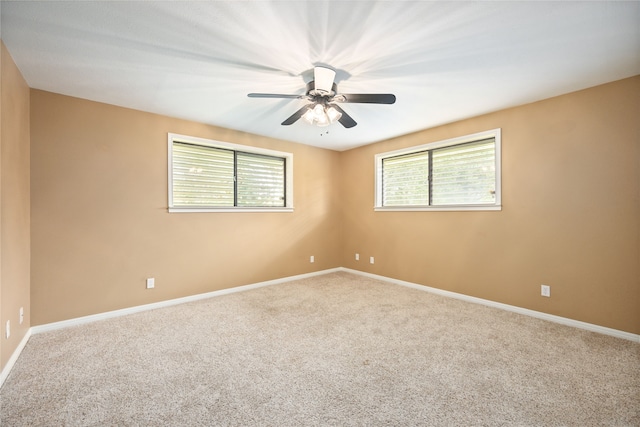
(456, 174)
(213, 176)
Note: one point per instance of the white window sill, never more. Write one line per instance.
(438, 208)
(236, 210)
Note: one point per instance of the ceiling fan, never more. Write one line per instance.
(322, 91)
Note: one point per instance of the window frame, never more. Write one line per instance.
(496, 206)
(288, 174)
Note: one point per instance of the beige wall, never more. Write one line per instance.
(571, 188)
(14, 205)
(570, 218)
(100, 224)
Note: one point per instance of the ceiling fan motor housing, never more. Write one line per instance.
(314, 93)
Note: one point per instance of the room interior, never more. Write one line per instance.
(84, 181)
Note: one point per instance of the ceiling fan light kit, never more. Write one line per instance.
(322, 91)
(321, 115)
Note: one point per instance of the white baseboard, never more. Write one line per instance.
(116, 313)
(532, 313)
(137, 309)
(14, 357)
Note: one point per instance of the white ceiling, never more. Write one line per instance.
(444, 61)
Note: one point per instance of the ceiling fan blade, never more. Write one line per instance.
(323, 78)
(274, 95)
(345, 120)
(366, 98)
(295, 116)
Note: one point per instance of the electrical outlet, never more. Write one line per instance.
(312, 259)
(151, 283)
(371, 260)
(21, 315)
(545, 290)
(8, 329)
(357, 257)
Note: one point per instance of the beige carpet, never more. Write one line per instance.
(337, 349)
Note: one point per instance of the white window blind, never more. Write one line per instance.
(205, 177)
(406, 180)
(464, 174)
(202, 176)
(260, 180)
